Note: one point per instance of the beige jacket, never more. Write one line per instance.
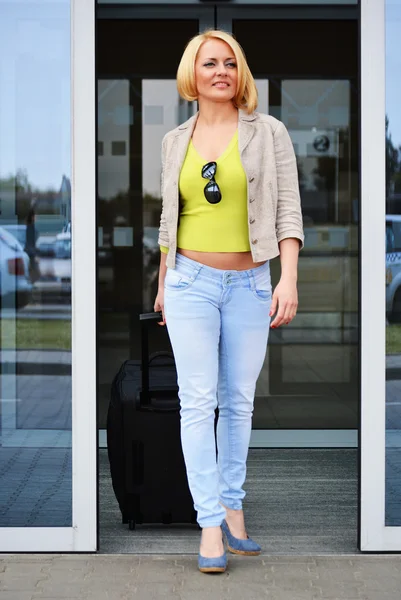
(268, 158)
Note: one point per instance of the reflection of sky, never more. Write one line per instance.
(393, 68)
(35, 90)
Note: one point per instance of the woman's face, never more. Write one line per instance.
(216, 71)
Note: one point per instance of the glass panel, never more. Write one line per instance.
(393, 264)
(310, 377)
(138, 103)
(157, 119)
(35, 265)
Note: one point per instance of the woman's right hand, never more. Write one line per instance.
(159, 305)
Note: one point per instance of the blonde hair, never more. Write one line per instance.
(246, 96)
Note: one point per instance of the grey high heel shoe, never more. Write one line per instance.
(246, 547)
(212, 565)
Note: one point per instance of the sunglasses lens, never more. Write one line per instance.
(212, 193)
(209, 170)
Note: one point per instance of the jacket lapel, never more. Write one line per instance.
(182, 139)
(246, 129)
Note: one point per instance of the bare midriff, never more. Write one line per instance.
(227, 261)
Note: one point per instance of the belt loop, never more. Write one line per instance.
(196, 272)
(251, 280)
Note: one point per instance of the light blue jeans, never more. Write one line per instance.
(218, 323)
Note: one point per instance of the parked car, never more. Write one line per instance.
(393, 268)
(45, 246)
(15, 285)
(62, 246)
(62, 261)
(54, 284)
(67, 228)
(18, 231)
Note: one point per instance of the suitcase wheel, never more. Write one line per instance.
(131, 524)
(167, 518)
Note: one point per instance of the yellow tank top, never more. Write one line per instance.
(206, 227)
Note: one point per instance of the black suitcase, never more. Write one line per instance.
(143, 439)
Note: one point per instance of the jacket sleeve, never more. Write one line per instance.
(289, 217)
(163, 230)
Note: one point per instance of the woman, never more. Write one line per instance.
(230, 204)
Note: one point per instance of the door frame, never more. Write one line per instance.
(82, 535)
(84, 304)
(375, 536)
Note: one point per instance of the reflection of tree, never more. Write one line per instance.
(324, 174)
(19, 187)
(108, 209)
(119, 206)
(301, 176)
(152, 206)
(393, 165)
(18, 182)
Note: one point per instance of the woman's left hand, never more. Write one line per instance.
(285, 297)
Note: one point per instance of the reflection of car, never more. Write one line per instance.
(62, 262)
(149, 240)
(67, 228)
(393, 268)
(55, 282)
(45, 245)
(62, 246)
(15, 286)
(18, 231)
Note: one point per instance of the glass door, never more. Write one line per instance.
(139, 49)
(47, 277)
(307, 394)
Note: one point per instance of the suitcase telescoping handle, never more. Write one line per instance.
(147, 400)
(145, 318)
(152, 316)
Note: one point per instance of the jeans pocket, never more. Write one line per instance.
(265, 295)
(175, 281)
(262, 288)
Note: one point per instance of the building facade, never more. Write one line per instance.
(87, 91)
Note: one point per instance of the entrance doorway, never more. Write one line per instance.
(308, 392)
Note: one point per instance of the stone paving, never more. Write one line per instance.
(123, 577)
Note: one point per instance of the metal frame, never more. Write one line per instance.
(203, 13)
(234, 3)
(84, 421)
(82, 536)
(226, 14)
(375, 536)
(289, 438)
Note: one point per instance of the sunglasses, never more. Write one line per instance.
(212, 190)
